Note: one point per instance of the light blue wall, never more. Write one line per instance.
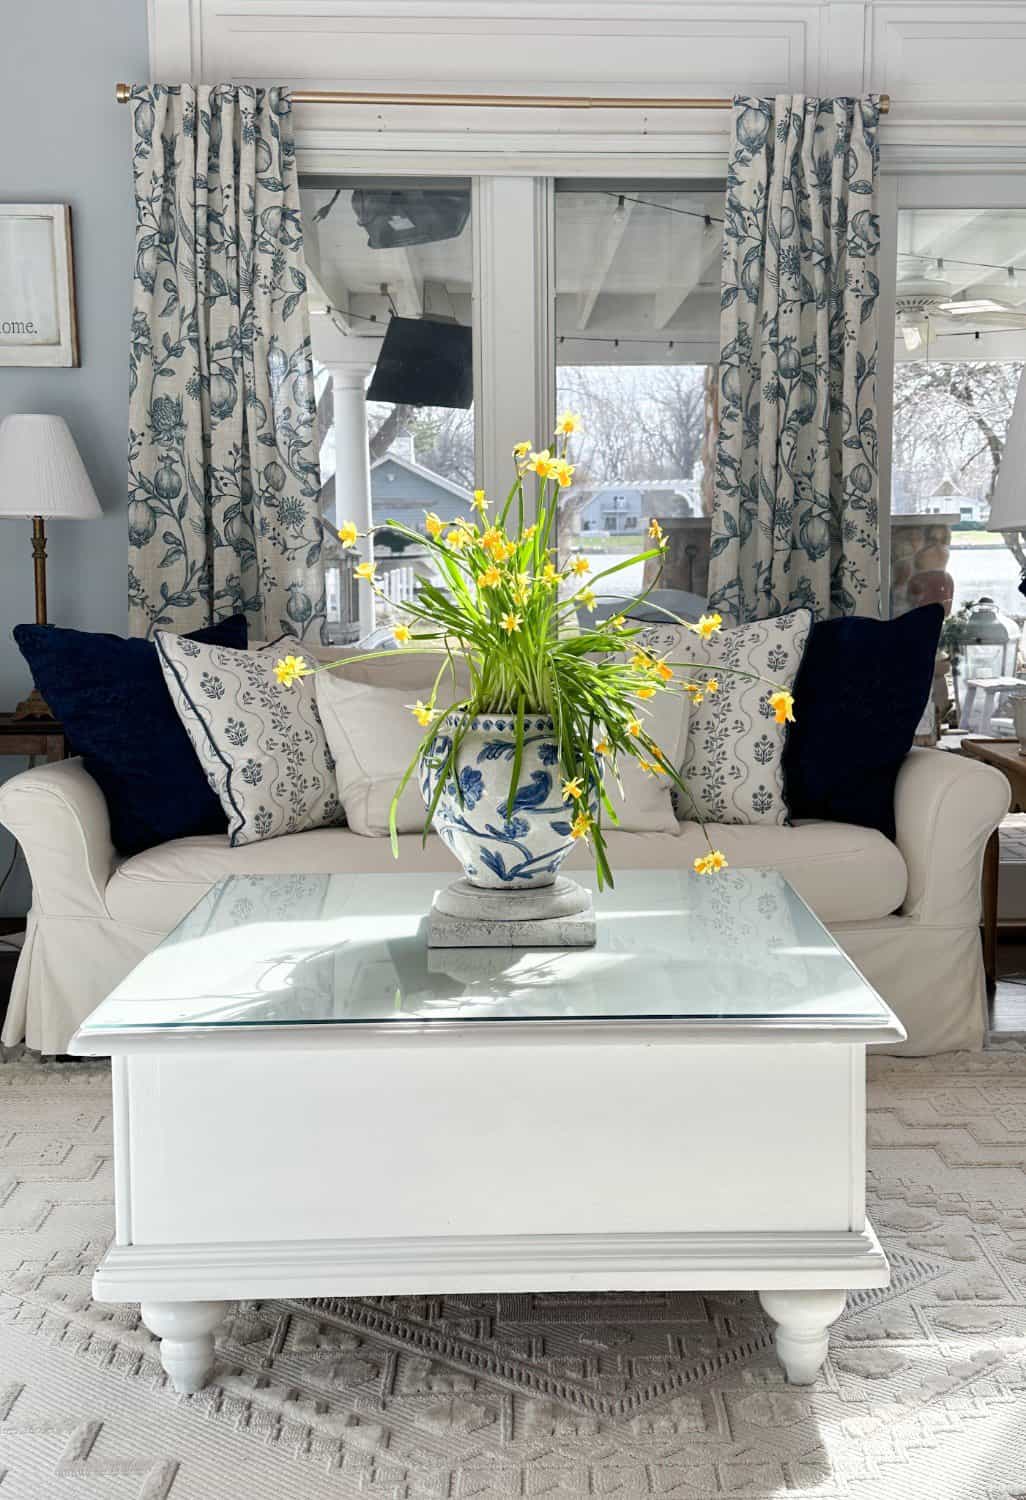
(66, 141)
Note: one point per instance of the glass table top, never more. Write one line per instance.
(341, 950)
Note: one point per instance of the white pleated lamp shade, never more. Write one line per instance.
(41, 471)
(1008, 502)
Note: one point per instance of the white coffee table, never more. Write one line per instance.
(307, 1101)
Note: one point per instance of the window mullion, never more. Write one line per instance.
(512, 349)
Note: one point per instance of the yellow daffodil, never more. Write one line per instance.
(574, 788)
(491, 539)
(401, 634)
(521, 450)
(365, 570)
(457, 539)
(581, 825)
(618, 622)
(634, 726)
(530, 531)
(712, 686)
(563, 473)
(511, 623)
(602, 747)
(490, 578)
(347, 533)
(479, 502)
(586, 599)
(645, 692)
(697, 698)
(542, 464)
(782, 705)
(522, 588)
(569, 422)
(708, 864)
(653, 767)
(641, 660)
(655, 531)
(550, 573)
(707, 626)
(580, 566)
(434, 525)
(664, 670)
(421, 712)
(289, 668)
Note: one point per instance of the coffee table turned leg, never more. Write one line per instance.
(803, 1322)
(186, 1333)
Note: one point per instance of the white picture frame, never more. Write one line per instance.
(37, 285)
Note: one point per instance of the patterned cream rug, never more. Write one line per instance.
(924, 1396)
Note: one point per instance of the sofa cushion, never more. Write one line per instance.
(845, 874)
(109, 694)
(860, 693)
(261, 744)
(733, 764)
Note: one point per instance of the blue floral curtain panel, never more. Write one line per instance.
(795, 520)
(223, 472)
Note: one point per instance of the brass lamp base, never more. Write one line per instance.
(34, 706)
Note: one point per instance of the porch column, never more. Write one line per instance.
(352, 467)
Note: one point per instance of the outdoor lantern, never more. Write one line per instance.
(990, 642)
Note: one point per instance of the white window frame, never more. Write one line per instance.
(512, 223)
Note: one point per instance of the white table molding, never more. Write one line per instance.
(569, 1262)
(314, 1109)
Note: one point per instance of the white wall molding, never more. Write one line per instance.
(955, 72)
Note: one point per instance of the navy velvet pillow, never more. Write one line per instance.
(859, 694)
(110, 695)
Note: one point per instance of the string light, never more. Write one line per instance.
(667, 208)
(977, 265)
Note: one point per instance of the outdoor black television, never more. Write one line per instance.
(424, 362)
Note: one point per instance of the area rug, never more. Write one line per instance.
(623, 1395)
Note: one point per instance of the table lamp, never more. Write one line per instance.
(42, 477)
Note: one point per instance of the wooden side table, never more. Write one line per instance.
(36, 739)
(1004, 756)
(39, 738)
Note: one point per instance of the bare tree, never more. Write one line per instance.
(443, 440)
(950, 421)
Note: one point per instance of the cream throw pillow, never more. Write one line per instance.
(373, 736)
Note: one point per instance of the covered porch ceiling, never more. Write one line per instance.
(637, 270)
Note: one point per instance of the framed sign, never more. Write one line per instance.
(37, 286)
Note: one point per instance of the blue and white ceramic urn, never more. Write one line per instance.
(500, 846)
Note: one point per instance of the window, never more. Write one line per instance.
(633, 318)
(391, 296)
(960, 344)
(637, 310)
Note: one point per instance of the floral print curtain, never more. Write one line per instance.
(795, 520)
(224, 481)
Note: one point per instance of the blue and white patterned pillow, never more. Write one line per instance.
(261, 745)
(733, 762)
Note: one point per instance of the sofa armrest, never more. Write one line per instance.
(59, 817)
(946, 807)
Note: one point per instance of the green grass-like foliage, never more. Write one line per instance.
(513, 616)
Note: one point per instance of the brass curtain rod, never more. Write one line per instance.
(123, 93)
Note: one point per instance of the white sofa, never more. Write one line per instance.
(907, 913)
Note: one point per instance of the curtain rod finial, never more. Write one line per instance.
(122, 93)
